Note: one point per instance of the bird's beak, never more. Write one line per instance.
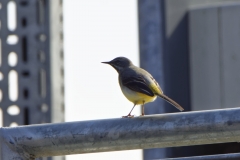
(106, 62)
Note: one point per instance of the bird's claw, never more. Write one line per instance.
(128, 116)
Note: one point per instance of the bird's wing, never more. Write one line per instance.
(155, 86)
(137, 84)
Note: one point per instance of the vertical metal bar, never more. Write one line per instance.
(151, 42)
(57, 58)
(56, 65)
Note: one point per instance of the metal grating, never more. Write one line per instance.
(31, 62)
(30, 77)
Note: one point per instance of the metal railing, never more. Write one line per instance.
(233, 156)
(155, 131)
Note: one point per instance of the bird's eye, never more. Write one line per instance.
(117, 62)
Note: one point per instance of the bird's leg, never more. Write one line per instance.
(129, 114)
(143, 109)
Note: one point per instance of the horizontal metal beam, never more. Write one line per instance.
(232, 156)
(155, 131)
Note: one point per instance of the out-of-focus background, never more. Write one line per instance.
(51, 54)
(97, 31)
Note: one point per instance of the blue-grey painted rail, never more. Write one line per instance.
(230, 156)
(163, 130)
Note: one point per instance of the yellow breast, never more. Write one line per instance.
(136, 97)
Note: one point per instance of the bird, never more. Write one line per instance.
(137, 85)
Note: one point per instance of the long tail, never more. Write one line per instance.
(172, 102)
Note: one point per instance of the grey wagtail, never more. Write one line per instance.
(137, 85)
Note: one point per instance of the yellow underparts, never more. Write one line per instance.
(137, 97)
(143, 98)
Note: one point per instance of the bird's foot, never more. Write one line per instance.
(128, 116)
(142, 115)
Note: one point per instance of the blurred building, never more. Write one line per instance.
(193, 49)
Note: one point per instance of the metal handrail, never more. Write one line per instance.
(230, 156)
(154, 131)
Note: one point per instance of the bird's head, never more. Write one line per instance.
(119, 63)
